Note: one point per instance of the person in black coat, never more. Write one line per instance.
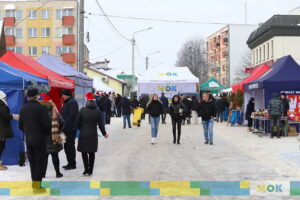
(5, 126)
(108, 109)
(135, 102)
(188, 110)
(177, 110)
(103, 106)
(195, 105)
(143, 104)
(36, 124)
(69, 113)
(250, 109)
(155, 109)
(220, 107)
(118, 100)
(207, 111)
(88, 119)
(126, 107)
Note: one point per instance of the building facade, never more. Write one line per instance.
(225, 50)
(36, 27)
(277, 37)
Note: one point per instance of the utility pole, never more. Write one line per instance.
(147, 62)
(81, 37)
(133, 67)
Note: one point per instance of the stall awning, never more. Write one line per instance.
(212, 85)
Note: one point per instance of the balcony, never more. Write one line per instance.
(68, 20)
(10, 40)
(69, 39)
(225, 54)
(68, 57)
(9, 21)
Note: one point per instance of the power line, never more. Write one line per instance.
(44, 4)
(111, 52)
(139, 52)
(111, 24)
(172, 21)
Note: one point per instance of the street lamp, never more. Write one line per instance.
(133, 44)
(147, 58)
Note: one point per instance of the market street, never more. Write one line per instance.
(128, 156)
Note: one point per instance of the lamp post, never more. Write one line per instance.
(147, 58)
(133, 59)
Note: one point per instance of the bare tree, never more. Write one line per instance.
(192, 55)
(240, 73)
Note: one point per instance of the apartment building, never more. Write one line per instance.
(225, 50)
(36, 27)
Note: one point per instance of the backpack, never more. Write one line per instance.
(275, 107)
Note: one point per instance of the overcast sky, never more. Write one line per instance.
(166, 37)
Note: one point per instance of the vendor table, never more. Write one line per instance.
(262, 125)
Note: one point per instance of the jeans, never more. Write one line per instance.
(220, 116)
(194, 117)
(275, 125)
(208, 130)
(103, 118)
(154, 126)
(126, 118)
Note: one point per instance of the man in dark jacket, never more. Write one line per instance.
(220, 107)
(143, 104)
(108, 109)
(195, 105)
(275, 109)
(250, 109)
(69, 113)
(103, 107)
(126, 106)
(165, 104)
(207, 111)
(188, 110)
(118, 100)
(36, 124)
(286, 107)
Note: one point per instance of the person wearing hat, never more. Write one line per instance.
(69, 113)
(286, 107)
(88, 119)
(5, 127)
(250, 109)
(36, 124)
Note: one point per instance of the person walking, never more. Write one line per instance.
(36, 124)
(118, 100)
(103, 107)
(112, 98)
(143, 104)
(69, 113)
(249, 110)
(275, 109)
(195, 104)
(135, 102)
(188, 108)
(108, 108)
(155, 109)
(5, 126)
(177, 110)
(126, 107)
(286, 107)
(207, 111)
(54, 143)
(165, 103)
(89, 118)
(220, 107)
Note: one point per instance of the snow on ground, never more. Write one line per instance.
(128, 156)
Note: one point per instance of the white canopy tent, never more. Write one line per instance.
(171, 81)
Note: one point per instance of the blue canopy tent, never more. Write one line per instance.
(284, 76)
(83, 83)
(13, 82)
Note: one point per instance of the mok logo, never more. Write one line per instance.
(168, 74)
(271, 188)
(167, 88)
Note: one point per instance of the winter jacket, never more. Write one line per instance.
(207, 110)
(135, 103)
(177, 110)
(69, 113)
(165, 102)
(5, 118)
(143, 102)
(275, 106)
(286, 106)
(118, 99)
(155, 109)
(220, 105)
(250, 109)
(188, 107)
(104, 104)
(88, 119)
(126, 106)
(195, 104)
(35, 122)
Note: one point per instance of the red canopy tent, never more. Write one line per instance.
(28, 64)
(258, 72)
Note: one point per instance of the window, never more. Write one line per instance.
(268, 51)
(256, 56)
(9, 31)
(264, 52)
(32, 14)
(260, 54)
(32, 32)
(272, 49)
(10, 13)
(19, 32)
(19, 50)
(32, 51)
(58, 13)
(62, 31)
(67, 12)
(63, 49)
(45, 32)
(45, 50)
(45, 14)
(19, 14)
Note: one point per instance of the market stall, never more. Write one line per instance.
(28, 64)
(171, 81)
(13, 82)
(212, 86)
(84, 84)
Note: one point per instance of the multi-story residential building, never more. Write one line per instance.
(36, 27)
(277, 37)
(225, 50)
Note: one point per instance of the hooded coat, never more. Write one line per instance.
(88, 119)
(275, 106)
